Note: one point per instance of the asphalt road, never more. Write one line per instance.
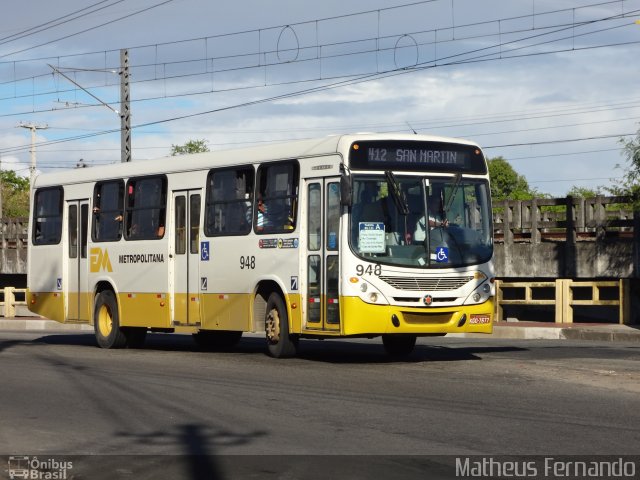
(61, 395)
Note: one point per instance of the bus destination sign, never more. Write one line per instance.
(416, 155)
(413, 155)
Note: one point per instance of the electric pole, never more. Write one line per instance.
(125, 108)
(33, 127)
(1, 186)
(125, 103)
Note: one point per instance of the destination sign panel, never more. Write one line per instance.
(428, 156)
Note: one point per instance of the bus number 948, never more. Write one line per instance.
(248, 262)
(369, 270)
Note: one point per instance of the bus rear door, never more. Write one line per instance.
(186, 251)
(322, 261)
(79, 300)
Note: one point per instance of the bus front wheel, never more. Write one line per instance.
(106, 322)
(280, 342)
(399, 345)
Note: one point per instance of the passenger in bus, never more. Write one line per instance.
(262, 219)
(436, 219)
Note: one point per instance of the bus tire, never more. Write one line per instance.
(106, 323)
(280, 342)
(399, 345)
(217, 339)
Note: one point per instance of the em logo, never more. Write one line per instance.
(99, 261)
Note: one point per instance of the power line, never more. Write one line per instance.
(318, 47)
(52, 23)
(87, 29)
(361, 79)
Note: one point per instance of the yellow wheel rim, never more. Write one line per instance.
(105, 321)
(273, 326)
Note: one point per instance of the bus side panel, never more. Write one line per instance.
(234, 271)
(138, 272)
(144, 310)
(226, 311)
(45, 281)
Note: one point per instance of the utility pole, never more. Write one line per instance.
(125, 108)
(33, 127)
(1, 186)
(125, 103)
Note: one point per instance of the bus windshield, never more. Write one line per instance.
(439, 222)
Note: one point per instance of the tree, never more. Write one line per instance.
(15, 194)
(629, 184)
(584, 192)
(192, 146)
(506, 183)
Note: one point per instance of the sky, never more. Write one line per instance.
(551, 86)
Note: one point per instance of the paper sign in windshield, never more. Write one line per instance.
(371, 237)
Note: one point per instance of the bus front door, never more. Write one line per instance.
(78, 299)
(186, 251)
(323, 240)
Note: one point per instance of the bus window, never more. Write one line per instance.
(47, 216)
(108, 201)
(333, 216)
(73, 231)
(181, 225)
(314, 217)
(194, 223)
(278, 194)
(145, 208)
(228, 201)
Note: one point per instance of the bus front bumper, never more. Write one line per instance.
(360, 318)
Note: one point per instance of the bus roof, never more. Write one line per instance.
(298, 149)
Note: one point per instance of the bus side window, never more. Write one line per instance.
(228, 201)
(145, 208)
(108, 206)
(47, 216)
(277, 189)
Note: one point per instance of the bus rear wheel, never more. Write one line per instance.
(280, 342)
(399, 345)
(106, 323)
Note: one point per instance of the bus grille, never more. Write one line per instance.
(426, 284)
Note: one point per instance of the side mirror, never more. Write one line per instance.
(346, 190)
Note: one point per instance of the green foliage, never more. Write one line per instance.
(192, 146)
(15, 194)
(583, 192)
(630, 182)
(506, 183)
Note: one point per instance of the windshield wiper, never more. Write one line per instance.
(397, 194)
(452, 195)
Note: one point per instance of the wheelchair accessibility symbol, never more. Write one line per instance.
(442, 254)
(204, 251)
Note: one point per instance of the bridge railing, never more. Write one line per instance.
(13, 301)
(564, 295)
(570, 219)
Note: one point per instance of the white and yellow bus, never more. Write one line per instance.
(346, 236)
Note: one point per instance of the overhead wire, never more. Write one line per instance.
(361, 79)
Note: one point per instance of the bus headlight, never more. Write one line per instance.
(480, 294)
(369, 293)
